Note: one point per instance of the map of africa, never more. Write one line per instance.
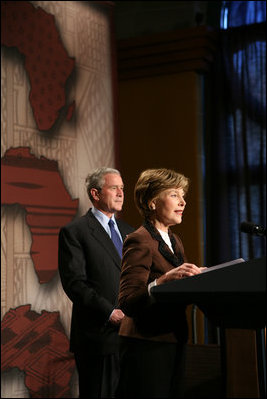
(36, 185)
(37, 345)
(33, 32)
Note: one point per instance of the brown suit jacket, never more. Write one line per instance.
(145, 258)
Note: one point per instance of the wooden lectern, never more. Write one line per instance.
(231, 297)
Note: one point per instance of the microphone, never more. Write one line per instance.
(252, 228)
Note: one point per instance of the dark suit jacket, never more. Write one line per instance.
(145, 258)
(89, 268)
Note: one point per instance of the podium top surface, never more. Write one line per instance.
(232, 296)
(243, 278)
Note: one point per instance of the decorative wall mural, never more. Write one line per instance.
(33, 32)
(35, 184)
(29, 341)
(43, 176)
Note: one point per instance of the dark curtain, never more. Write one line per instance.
(236, 137)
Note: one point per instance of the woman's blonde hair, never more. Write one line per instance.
(152, 182)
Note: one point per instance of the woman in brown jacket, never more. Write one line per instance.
(153, 336)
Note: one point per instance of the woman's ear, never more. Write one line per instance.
(152, 205)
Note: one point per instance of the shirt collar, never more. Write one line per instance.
(101, 217)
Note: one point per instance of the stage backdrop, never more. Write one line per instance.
(57, 125)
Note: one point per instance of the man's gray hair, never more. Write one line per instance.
(96, 179)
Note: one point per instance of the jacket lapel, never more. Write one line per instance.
(100, 234)
(176, 258)
(122, 229)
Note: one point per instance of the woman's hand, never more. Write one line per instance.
(185, 270)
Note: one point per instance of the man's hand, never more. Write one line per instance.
(116, 317)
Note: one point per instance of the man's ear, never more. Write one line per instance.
(95, 194)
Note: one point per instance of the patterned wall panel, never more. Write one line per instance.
(79, 145)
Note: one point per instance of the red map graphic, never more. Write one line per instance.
(35, 184)
(37, 344)
(33, 32)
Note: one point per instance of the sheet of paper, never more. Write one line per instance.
(221, 265)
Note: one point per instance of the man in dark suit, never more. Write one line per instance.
(89, 267)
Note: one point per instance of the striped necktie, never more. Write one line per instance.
(115, 237)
